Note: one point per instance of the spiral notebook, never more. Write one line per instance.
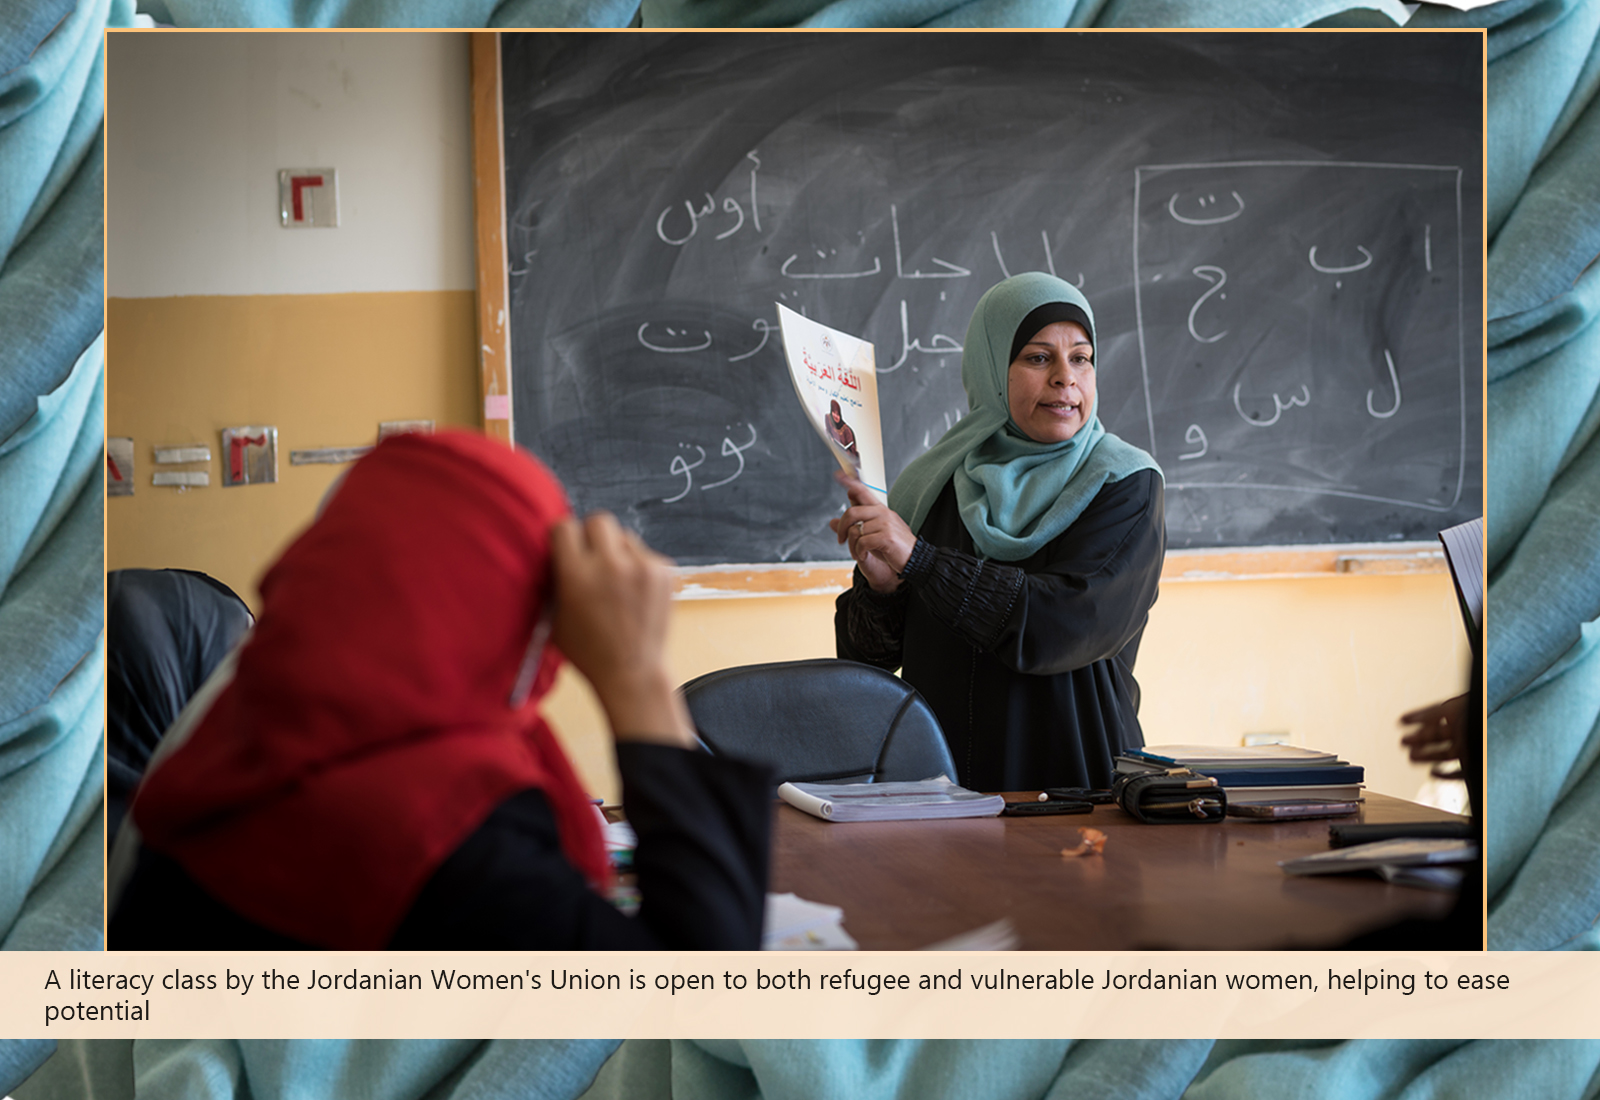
(913, 801)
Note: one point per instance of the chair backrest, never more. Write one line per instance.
(820, 721)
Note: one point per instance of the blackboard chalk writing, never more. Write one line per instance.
(764, 327)
(1172, 208)
(755, 211)
(908, 345)
(1367, 262)
(732, 207)
(732, 450)
(1049, 260)
(1195, 434)
(1209, 274)
(1278, 404)
(679, 466)
(784, 270)
(1427, 246)
(674, 332)
(694, 221)
(1394, 380)
(952, 271)
(523, 226)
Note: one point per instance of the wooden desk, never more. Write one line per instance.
(908, 884)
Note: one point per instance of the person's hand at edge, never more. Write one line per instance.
(1439, 732)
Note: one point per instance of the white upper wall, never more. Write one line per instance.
(199, 124)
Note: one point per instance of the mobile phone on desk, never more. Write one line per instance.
(1054, 806)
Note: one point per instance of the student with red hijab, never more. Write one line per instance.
(372, 770)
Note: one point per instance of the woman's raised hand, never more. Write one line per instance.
(880, 542)
(613, 596)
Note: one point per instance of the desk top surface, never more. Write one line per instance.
(909, 884)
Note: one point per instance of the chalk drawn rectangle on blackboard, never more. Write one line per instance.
(1297, 368)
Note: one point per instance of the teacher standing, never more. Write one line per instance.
(1012, 573)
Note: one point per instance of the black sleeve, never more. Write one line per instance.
(1083, 604)
(867, 625)
(702, 823)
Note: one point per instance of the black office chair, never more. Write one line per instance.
(820, 721)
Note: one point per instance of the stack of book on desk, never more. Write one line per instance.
(1258, 775)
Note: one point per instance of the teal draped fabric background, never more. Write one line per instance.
(1017, 13)
(51, 501)
(118, 1069)
(803, 1070)
(390, 13)
(888, 1069)
(1543, 681)
(1543, 801)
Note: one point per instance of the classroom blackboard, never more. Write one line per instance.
(1280, 235)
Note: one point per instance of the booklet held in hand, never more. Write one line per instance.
(836, 379)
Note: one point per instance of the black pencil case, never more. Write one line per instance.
(1172, 797)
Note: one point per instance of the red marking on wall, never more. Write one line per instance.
(298, 184)
(111, 464)
(236, 447)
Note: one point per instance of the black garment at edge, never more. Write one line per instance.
(1027, 665)
(703, 824)
(166, 630)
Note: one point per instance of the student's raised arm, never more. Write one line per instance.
(613, 598)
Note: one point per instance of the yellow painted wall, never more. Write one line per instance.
(325, 369)
(1331, 661)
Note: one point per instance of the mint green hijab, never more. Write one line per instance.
(1014, 494)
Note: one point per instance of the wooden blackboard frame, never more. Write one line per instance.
(817, 578)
